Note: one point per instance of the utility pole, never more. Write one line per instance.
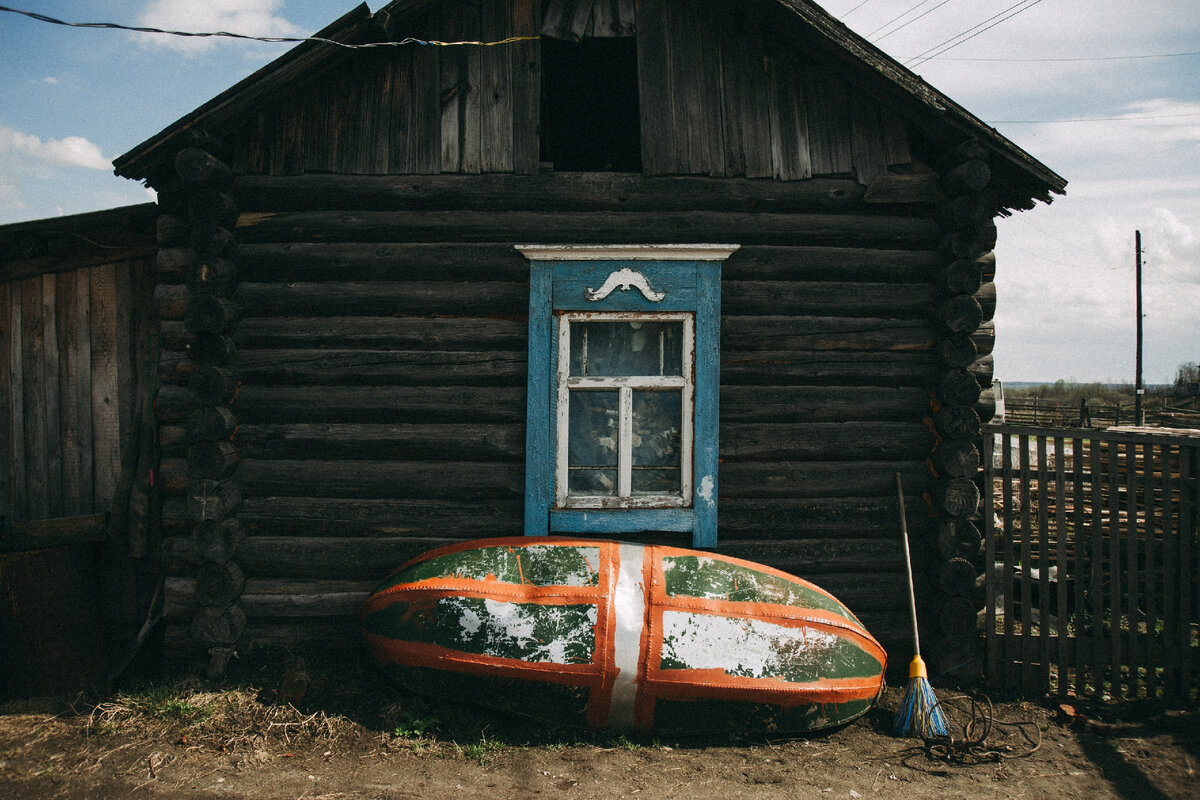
(1139, 411)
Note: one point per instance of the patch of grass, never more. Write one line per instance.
(484, 750)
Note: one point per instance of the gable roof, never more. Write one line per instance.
(1022, 177)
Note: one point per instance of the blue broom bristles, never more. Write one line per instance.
(919, 710)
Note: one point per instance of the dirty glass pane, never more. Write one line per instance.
(592, 443)
(608, 349)
(657, 443)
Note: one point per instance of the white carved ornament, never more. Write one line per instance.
(625, 278)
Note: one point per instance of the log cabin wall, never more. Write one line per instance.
(381, 362)
(372, 342)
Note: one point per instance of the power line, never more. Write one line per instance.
(856, 8)
(272, 39)
(1088, 119)
(903, 13)
(911, 21)
(1055, 60)
(1024, 5)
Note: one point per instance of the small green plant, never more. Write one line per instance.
(625, 743)
(413, 727)
(484, 750)
(168, 702)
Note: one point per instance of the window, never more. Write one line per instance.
(623, 388)
(590, 119)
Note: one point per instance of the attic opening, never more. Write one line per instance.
(590, 120)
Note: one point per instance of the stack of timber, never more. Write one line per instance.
(197, 245)
(966, 304)
(380, 365)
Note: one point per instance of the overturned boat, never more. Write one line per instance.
(623, 636)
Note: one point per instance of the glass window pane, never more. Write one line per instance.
(592, 482)
(607, 349)
(654, 481)
(594, 429)
(657, 421)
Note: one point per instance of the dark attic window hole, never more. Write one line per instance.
(590, 120)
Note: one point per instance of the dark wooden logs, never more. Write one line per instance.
(956, 576)
(958, 497)
(956, 350)
(958, 617)
(970, 242)
(212, 500)
(210, 424)
(219, 584)
(966, 211)
(213, 385)
(174, 403)
(961, 276)
(212, 460)
(212, 274)
(969, 177)
(211, 350)
(198, 168)
(958, 537)
(912, 233)
(958, 387)
(957, 422)
(961, 313)
(559, 191)
(956, 458)
(172, 231)
(209, 237)
(207, 313)
(200, 138)
(217, 626)
(217, 541)
(210, 205)
(171, 263)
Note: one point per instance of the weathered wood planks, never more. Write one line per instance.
(68, 388)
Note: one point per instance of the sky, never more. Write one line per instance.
(1091, 88)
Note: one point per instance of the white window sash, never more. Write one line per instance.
(625, 386)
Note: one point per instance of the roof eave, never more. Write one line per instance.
(945, 109)
(139, 163)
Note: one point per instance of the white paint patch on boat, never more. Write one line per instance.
(509, 628)
(745, 647)
(629, 620)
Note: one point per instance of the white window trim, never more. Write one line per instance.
(625, 387)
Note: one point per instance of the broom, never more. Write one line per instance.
(919, 710)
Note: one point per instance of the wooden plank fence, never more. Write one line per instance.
(1093, 562)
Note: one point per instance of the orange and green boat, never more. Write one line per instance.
(623, 636)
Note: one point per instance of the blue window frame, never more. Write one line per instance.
(623, 389)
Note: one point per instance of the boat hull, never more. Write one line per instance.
(623, 636)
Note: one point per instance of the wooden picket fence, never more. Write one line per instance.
(1093, 580)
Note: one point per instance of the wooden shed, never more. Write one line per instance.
(690, 271)
(78, 358)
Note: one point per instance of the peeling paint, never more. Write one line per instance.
(706, 489)
(757, 649)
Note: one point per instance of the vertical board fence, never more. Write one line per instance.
(77, 335)
(1093, 561)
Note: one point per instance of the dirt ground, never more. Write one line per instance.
(302, 733)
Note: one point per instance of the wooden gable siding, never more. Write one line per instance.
(724, 95)
(382, 361)
(413, 109)
(721, 95)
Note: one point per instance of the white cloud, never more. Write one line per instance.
(50, 79)
(70, 151)
(248, 17)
